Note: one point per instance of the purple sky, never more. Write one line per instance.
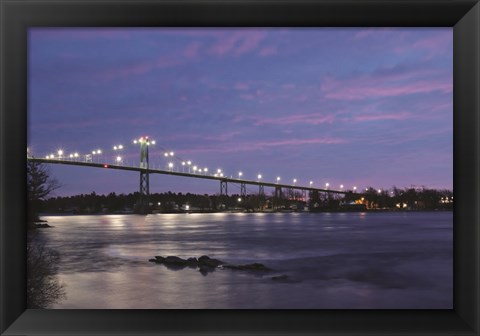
(359, 107)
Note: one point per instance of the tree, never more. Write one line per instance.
(39, 185)
(43, 287)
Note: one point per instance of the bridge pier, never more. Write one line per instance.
(223, 192)
(277, 198)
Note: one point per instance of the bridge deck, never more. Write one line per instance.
(175, 173)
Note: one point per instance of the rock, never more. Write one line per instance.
(192, 261)
(249, 267)
(173, 260)
(210, 262)
(280, 277)
(42, 226)
(159, 259)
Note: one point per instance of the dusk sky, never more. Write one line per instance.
(358, 107)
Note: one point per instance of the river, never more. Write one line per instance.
(328, 260)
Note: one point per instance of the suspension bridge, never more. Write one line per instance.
(176, 167)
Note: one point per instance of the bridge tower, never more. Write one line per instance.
(143, 206)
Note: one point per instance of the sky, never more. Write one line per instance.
(364, 107)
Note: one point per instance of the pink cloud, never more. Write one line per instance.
(237, 43)
(250, 42)
(268, 51)
(241, 86)
(312, 119)
(192, 50)
(383, 85)
(255, 146)
(139, 68)
(376, 117)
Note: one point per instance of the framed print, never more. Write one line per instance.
(274, 88)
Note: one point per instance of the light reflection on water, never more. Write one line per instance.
(333, 260)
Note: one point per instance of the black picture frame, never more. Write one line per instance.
(18, 15)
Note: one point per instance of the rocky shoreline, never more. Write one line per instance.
(205, 265)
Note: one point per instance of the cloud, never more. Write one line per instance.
(387, 83)
(237, 43)
(139, 68)
(312, 119)
(259, 145)
(192, 50)
(268, 51)
(378, 117)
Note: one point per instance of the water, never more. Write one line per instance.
(332, 260)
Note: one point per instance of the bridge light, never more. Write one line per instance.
(166, 154)
(327, 184)
(294, 181)
(379, 191)
(135, 141)
(171, 153)
(311, 182)
(71, 155)
(170, 165)
(239, 199)
(119, 158)
(341, 186)
(120, 147)
(194, 169)
(60, 152)
(189, 162)
(115, 148)
(354, 188)
(94, 152)
(183, 163)
(240, 174)
(48, 157)
(205, 169)
(99, 151)
(105, 166)
(75, 154)
(153, 142)
(259, 176)
(219, 171)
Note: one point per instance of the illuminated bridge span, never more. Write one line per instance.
(97, 159)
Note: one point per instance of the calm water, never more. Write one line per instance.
(332, 260)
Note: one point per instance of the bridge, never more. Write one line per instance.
(188, 170)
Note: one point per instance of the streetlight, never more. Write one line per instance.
(60, 153)
(341, 186)
(239, 199)
(189, 163)
(379, 191)
(240, 175)
(170, 165)
(354, 189)
(294, 181)
(278, 179)
(205, 170)
(259, 176)
(311, 182)
(194, 169)
(183, 166)
(119, 159)
(327, 185)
